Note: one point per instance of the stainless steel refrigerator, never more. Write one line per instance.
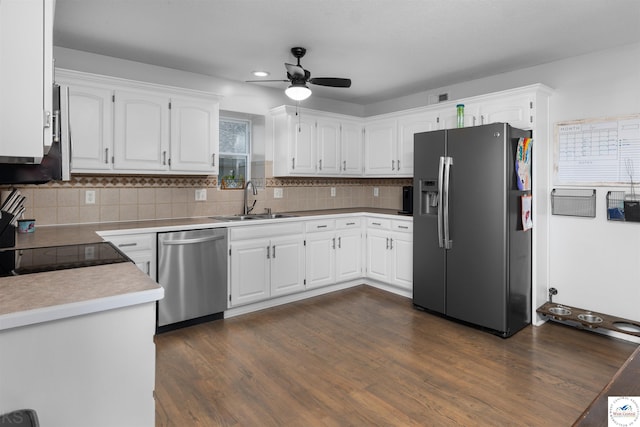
(471, 259)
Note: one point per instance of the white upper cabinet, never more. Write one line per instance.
(141, 136)
(380, 147)
(328, 146)
(351, 148)
(119, 126)
(315, 143)
(26, 78)
(408, 126)
(91, 131)
(194, 135)
(517, 110)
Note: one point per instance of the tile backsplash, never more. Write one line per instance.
(130, 198)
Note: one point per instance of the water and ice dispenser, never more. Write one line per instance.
(428, 197)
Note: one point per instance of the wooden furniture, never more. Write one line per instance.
(626, 382)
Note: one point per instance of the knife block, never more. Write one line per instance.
(7, 231)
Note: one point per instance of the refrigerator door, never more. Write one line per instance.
(476, 263)
(428, 256)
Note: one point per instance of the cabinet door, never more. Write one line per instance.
(141, 248)
(408, 126)
(287, 265)
(378, 256)
(302, 149)
(141, 131)
(91, 127)
(249, 271)
(515, 110)
(380, 145)
(25, 77)
(328, 143)
(194, 135)
(348, 255)
(320, 259)
(351, 149)
(401, 246)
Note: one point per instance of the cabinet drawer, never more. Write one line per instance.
(379, 223)
(344, 223)
(403, 226)
(265, 231)
(320, 225)
(134, 242)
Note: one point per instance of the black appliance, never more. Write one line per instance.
(407, 200)
(471, 259)
(16, 262)
(55, 164)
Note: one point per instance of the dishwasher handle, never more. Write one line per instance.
(192, 241)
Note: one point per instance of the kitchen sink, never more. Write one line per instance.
(252, 217)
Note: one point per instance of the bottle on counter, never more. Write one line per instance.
(460, 111)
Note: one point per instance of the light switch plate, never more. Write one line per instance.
(201, 195)
(277, 193)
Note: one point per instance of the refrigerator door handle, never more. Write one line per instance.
(448, 161)
(440, 195)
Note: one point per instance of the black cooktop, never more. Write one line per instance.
(15, 262)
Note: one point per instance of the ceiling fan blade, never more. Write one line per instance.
(331, 81)
(295, 70)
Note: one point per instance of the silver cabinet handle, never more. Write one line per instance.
(334, 243)
(213, 159)
(339, 242)
(387, 243)
(321, 226)
(106, 155)
(164, 158)
(293, 163)
(268, 252)
(376, 223)
(393, 165)
(403, 227)
(320, 164)
(398, 164)
(148, 264)
(391, 243)
(344, 165)
(274, 251)
(125, 245)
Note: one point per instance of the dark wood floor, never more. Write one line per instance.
(364, 357)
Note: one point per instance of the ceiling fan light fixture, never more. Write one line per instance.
(298, 92)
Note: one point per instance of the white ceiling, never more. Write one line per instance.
(389, 48)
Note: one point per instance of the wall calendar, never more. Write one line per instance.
(597, 151)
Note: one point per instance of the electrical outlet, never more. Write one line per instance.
(376, 192)
(201, 194)
(278, 193)
(89, 252)
(333, 191)
(90, 197)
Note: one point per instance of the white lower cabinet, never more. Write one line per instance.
(390, 252)
(140, 247)
(333, 251)
(265, 262)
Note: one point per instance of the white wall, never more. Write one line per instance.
(594, 263)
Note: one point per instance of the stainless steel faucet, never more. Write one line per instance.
(248, 209)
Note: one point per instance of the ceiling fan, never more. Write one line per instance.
(299, 77)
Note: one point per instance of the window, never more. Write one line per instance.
(235, 152)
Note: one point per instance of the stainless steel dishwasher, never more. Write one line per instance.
(192, 269)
